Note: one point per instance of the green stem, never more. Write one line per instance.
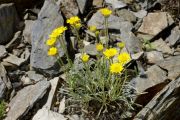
(106, 31)
(65, 51)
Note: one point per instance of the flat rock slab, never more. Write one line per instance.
(4, 81)
(14, 42)
(164, 106)
(54, 85)
(45, 114)
(49, 18)
(25, 100)
(8, 22)
(69, 8)
(3, 52)
(154, 76)
(174, 38)
(154, 56)
(162, 46)
(14, 60)
(27, 31)
(154, 23)
(116, 4)
(172, 64)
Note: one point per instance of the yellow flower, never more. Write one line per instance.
(121, 45)
(105, 12)
(124, 58)
(57, 32)
(52, 51)
(116, 68)
(99, 47)
(93, 28)
(77, 25)
(73, 20)
(109, 53)
(85, 57)
(51, 41)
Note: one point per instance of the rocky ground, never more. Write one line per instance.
(30, 80)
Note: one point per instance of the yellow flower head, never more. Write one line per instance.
(124, 58)
(105, 12)
(73, 20)
(77, 25)
(99, 47)
(85, 57)
(57, 32)
(121, 45)
(116, 68)
(93, 28)
(52, 51)
(51, 41)
(109, 53)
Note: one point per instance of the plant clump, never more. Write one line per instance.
(100, 86)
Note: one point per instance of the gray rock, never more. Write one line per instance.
(54, 85)
(8, 22)
(137, 56)
(14, 60)
(14, 42)
(4, 81)
(126, 15)
(140, 14)
(69, 8)
(174, 38)
(48, 19)
(154, 23)
(172, 64)
(45, 114)
(165, 104)
(98, 20)
(26, 80)
(3, 52)
(161, 46)
(82, 5)
(90, 49)
(133, 44)
(27, 31)
(154, 56)
(25, 100)
(98, 3)
(155, 75)
(26, 54)
(116, 4)
(35, 76)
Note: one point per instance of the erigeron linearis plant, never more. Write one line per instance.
(105, 81)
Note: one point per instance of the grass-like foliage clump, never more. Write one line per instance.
(2, 109)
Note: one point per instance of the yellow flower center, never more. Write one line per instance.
(51, 41)
(109, 53)
(52, 51)
(99, 47)
(85, 57)
(57, 32)
(73, 20)
(116, 68)
(121, 45)
(106, 12)
(93, 28)
(124, 58)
